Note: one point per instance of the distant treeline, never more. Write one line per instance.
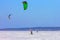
(32, 28)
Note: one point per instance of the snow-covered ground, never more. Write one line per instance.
(25, 35)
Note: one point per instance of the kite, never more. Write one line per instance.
(9, 16)
(25, 5)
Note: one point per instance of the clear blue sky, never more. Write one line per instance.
(43, 13)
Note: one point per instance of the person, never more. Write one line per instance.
(31, 31)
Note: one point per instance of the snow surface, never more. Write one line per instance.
(25, 35)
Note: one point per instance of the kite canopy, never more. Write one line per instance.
(25, 5)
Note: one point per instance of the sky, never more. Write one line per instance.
(40, 13)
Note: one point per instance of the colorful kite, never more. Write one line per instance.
(25, 5)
